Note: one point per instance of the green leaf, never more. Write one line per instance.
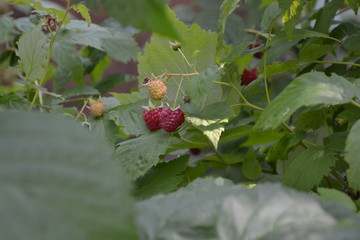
(278, 68)
(80, 90)
(355, 5)
(311, 119)
(314, 51)
(152, 15)
(84, 12)
(352, 156)
(138, 155)
(199, 47)
(119, 45)
(110, 82)
(351, 43)
(129, 117)
(6, 24)
(291, 13)
(13, 101)
(336, 141)
(227, 7)
(199, 86)
(55, 175)
(162, 179)
(68, 60)
(209, 209)
(271, 13)
(281, 148)
(326, 16)
(306, 90)
(337, 197)
(99, 69)
(211, 120)
(251, 168)
(32, 54)
(308, 168)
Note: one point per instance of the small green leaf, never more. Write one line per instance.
(352, 156)
(251, 168)
(32, 54)
(211, 120)
(306, 90)
(110, 82)
(311, 119)
(13, 101)
(278, 68)
(351, 43)
(355, 5)
(227, 7)
(271, 13)
(84, 12)
(281, 148)
(6, 24)
(314, 51)
(162, 179)
(291, 13)
(337, 197)
(138, 155)
(308, 168)
(326, 16)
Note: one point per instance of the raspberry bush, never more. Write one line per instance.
(238, 109)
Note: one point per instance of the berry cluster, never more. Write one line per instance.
(250, 75)
(165, 118)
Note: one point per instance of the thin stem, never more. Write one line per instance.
(256, 32)
(179, 74)
(355, 103)
(268, 40)
(343, 182)
(177, 92)
(336, 62)
(186, 60)
(81, 110)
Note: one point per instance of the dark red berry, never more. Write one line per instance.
(195, 151)
(248, 76)
(172, 120)
(258, 55)
(152, 118)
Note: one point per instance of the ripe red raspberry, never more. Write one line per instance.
(157, 89)
(171, 120)
(248, 76)
(152, 118)
(97, 108)
(258, 55)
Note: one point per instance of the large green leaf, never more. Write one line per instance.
(138, 155)
(338, 197)
(352, 156)
(308, 168)
(216, 209)
(118, 44)
(146, 15)
(326, 15)
(306, 90)
(59, 182)
(163, 178)
(32, 54)
(199, 47)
